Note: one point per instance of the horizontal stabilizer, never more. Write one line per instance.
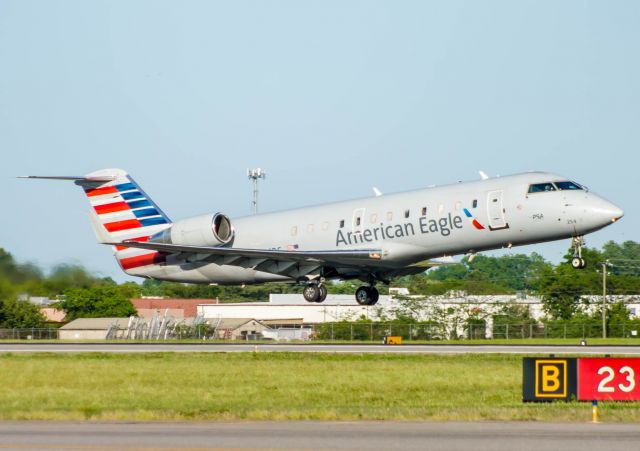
(71, 178)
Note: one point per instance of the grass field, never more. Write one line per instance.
(276, 386)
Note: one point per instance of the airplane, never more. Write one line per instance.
(372, 239)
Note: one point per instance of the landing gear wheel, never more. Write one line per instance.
(374, 294)
(323, 293)
(367, 295)
(577, 262)
(311, 293)
(362, 296)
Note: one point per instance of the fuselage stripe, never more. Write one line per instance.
(111, 208)
(126, 187)
(145, 212)
(100, 191)
(152, 221)
(140, 203)
(143, 260)
(132, 195)
(140, 239)
(122, 225)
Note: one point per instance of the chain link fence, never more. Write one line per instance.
(29, 334)
(375, 332)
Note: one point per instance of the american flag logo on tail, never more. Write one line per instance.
(125, 212)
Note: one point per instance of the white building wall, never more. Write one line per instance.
(82, 334)
(344, 307)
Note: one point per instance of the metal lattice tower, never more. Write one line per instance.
(254, 175)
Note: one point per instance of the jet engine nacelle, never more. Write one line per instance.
(207, 230)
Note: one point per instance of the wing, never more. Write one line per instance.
(349, 264)
(293, 264)
(274, 254)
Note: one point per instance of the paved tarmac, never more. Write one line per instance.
(335, 348)
(318, 436)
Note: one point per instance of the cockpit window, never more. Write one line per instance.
(567, 185)
(541, 187)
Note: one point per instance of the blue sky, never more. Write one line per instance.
(331, 97)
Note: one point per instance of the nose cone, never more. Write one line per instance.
(606, 212)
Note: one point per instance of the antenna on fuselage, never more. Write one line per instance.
(483, 175)
(376, 191)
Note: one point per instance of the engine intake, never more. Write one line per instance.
(207, 230)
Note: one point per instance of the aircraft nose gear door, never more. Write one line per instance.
(495, 210)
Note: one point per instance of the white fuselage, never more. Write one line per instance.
(410, 227)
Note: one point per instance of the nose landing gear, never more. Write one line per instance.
(577, 262)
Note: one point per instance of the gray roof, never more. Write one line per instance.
(96, 323)
(234, 323)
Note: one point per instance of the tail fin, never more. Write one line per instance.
(121, 210)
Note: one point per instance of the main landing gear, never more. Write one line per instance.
(577, 262)
(315, 292)
(367, 295)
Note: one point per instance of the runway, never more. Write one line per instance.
(329, 348)
(317, 436)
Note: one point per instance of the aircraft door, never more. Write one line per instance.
(495, 210)
(358, 220)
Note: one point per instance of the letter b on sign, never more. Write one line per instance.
(551, 378)
(548, 379)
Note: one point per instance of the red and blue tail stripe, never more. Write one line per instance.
(126, 213)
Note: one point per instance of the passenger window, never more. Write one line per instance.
(310, 228)
(541, 187)
(458, 205)
(341, 223)
(325, 226)
(389, 216)
(475, 203)
(373, 218)
(406, 213)
(424, 211)
(294, 231)
(440, 208)
(567, 186)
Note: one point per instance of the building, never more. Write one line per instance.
(133, 328)
(291, 315)
(240, 329)
(148, 307)
(91, 328)
(282, 307)
(53, 315)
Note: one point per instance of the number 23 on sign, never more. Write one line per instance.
(615, 379)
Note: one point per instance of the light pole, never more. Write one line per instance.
(254, 175)
(604, 297)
